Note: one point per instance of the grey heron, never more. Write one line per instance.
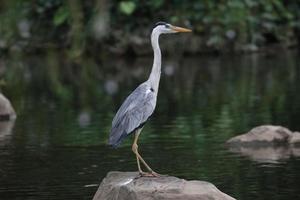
(140, 104)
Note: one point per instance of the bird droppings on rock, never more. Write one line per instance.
(126, 182)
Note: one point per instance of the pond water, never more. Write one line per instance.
(56, 150)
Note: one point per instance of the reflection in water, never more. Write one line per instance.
(269, 154)
(6, 130)
(84, 119)
(111, 87)
(65, 115)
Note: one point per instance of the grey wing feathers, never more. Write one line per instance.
(133, 113)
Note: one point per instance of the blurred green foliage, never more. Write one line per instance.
(127, 7)
(61, 16)
(29, 24)
(60, 47)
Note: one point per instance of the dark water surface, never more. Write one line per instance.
(57, 151)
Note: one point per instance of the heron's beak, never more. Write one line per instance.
(180, 29)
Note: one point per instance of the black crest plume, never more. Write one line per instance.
(159, 23)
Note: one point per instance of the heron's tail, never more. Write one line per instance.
(115, 138)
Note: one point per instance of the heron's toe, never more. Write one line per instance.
(149, 174)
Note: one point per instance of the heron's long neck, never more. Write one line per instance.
(156, 68)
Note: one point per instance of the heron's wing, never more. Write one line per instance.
(134, 112)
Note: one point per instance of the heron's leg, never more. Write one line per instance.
(139, 165)
(139, 157)
(135, 149)
(151, 172)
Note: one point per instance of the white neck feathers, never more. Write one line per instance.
(156, 68)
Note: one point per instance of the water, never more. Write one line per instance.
(58, 150)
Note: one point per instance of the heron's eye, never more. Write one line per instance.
(167, 26)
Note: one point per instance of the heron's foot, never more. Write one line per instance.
(139, 175)
(142, 174)
(154, 174)
(149, 174)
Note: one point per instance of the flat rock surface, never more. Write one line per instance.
(129, 186)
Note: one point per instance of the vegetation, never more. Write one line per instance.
(59, 48)
(101, 25)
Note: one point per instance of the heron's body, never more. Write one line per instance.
(133, 113)
(140, 104)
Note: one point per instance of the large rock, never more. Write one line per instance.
(6, 110)
(262, 136)
(128, 186)
(268, 143)
(295, 139)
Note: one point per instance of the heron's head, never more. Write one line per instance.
(163, 27)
